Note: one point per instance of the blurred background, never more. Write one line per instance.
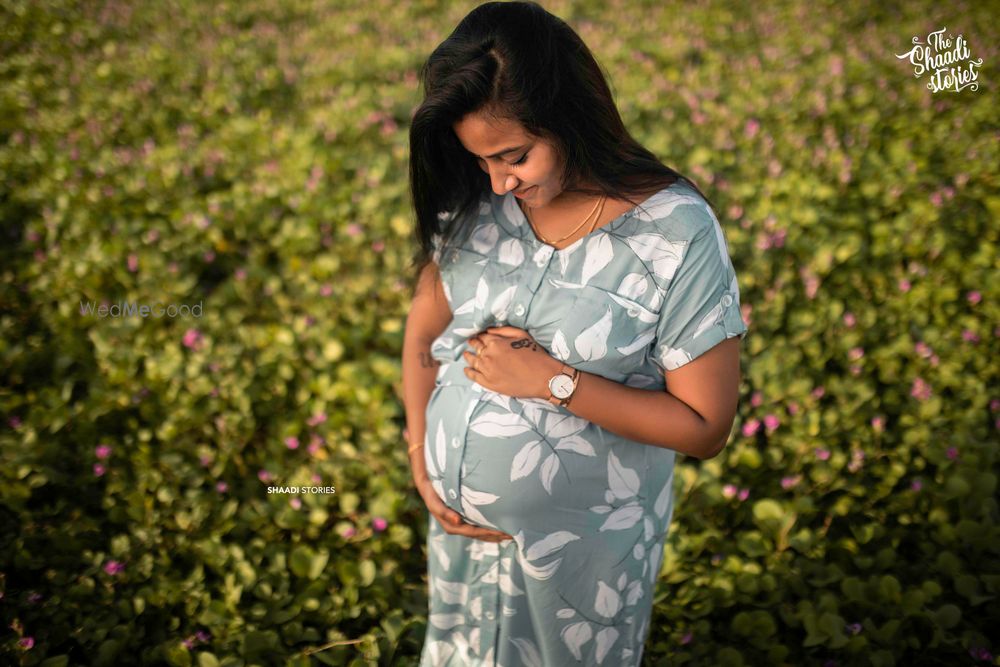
(240, 169)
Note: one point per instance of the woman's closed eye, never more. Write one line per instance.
(521, 161)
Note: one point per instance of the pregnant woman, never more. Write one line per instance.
(575, 324)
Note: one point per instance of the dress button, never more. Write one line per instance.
(454, 256)
(455, 443)
(489, 615)
(452, 494)
(727, 300)
(519, 310)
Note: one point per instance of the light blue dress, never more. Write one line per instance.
(588, 509)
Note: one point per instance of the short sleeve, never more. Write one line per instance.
(701, 307)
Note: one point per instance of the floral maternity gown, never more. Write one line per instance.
(589, 510)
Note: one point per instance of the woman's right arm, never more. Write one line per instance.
(429, 315)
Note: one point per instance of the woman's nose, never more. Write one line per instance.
(508, 182)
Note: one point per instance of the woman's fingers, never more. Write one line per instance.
(452, 521)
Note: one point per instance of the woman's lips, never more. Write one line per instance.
(526, 192)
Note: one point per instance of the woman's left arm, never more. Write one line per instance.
(693, 416)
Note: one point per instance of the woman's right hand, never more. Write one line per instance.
(451, 520)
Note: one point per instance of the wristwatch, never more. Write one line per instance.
(562, 385)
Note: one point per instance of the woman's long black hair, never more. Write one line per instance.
(517, 61)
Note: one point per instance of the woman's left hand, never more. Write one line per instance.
(509, 361)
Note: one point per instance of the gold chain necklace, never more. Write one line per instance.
(599, 207)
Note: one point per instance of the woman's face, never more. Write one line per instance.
(531, 169)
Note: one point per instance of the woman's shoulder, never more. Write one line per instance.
(677, 212)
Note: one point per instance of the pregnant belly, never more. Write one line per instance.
(527, 466)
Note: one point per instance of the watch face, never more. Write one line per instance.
(561, 386)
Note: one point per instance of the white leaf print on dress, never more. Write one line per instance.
(440, 451)
(662, 500)
(484, 239)
(525, 460)
(665, 255)
(576, 444)
(575, 636)
(623, 482)
(446, 621)
(608, 602)
(565, 613)
(550, 544)
(638, 342)
(663, 204)
(530, 656)
(548, 472)
(471, 498)
(560, 425)
(624, 517)
(501, 304)
(511, 252)
(641, 313)
(500, 425)
(633, 286)
(453, 592)
(438, 544)
(605, 640)
(599, 254)
(560, 350)
(592, 343)
(482, 293)
(440, 652)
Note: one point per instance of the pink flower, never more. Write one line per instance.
(744, 494)
(818, 392)
(133, 263)
(353, 229)
(296, 503)
(379, 524)
(936, 199)
(995, 405)
(750, 128)
(192, 338)
(326, 289)
(771, 422)
(113, 567)
(790, 481)
(793, 408)
(686, 639)
(264, 476)
(318, 418)
(923, 349)
(102, 451)
(348, 532)
(952, 453)
(750, 427)
(756, 399)
(378, 246)
(904, 285)
(99, 470)
(221, 487)
(205, 460)
(970, 336)
(849, 319)
(855, 353)
(209, 257)
(26, 642)
(916, 485)
(878, 423)
(920, 390)
(314, 444)
(822, 454)
(241, 274)
(292, 442)
(729, 491)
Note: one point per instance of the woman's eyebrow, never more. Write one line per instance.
(507, 150)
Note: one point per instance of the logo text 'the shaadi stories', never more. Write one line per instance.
(950, 62)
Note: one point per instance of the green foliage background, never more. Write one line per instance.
(251, 157)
